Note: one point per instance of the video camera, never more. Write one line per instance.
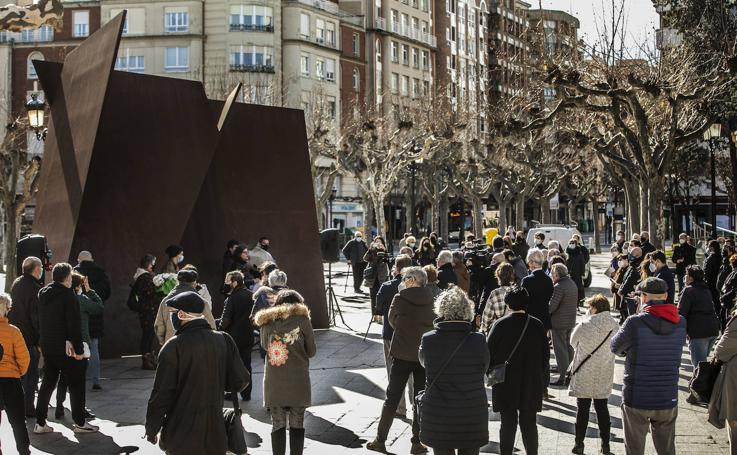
(386, 257)
(476, 254)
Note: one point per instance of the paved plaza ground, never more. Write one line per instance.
(348, 380)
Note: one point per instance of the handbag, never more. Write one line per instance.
(234, 428)
(571, 372)
(498, 372)
(421, 395)
(704, 378)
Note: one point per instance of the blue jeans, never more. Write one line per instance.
(29, 381)
(700, 349)
(94, 365)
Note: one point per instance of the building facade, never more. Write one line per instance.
(508, 47)
(552, 35)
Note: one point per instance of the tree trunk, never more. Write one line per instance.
(631, 193)
(368, 218)
(378, 203)
(655, 211)
(433, 213)
(519, 215)
(595, 219)
(478, 225)
(644, 220)
(502, 213)
(10, 237)
(545, 211)
(443, 217)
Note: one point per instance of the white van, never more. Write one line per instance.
(562, 234)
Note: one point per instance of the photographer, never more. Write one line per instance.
(376, 271)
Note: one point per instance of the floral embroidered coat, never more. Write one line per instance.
(287, 337)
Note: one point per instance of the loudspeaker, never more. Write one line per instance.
(329, 248)
(32, 245)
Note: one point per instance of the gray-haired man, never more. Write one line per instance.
(563, 306)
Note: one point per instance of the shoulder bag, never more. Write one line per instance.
(571, 372)
(498, 372)
(421, 395)
(234, 428)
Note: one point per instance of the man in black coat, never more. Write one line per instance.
(576, 264)
(354, 251)
(684, 254)
(236, 321)
(712, 264)
(100, 283)
(229, 262)
(539, 288)
(645, 244)
(446, 274)
(196, 367)
(631, 280)
(24, 315)
(59, 322)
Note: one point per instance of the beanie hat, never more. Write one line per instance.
(173, 250)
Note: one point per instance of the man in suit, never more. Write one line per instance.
(354, 251)
(539, 286)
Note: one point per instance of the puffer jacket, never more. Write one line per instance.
(653, 344)
(59, 320)
(564, 304)
(15, 358)
(723, 404)
(696, 306)
(454, 413)
(411, 315)
(594, 379)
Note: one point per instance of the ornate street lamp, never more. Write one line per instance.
(35, 108)
(710, 135)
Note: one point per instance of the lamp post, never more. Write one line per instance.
(712, 133)
(413, 166)
(35, 109)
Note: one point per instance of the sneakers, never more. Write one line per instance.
(88, 414)
(42, 429)
(86, 428)
(417, 448)
(376, 446)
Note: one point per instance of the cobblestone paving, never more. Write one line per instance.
(348, 380)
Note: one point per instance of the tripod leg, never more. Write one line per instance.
(337, 307)
(371, 321)
(347, 275)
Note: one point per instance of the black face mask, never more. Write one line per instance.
(264, 247)
(175, 321)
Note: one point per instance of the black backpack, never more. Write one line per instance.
(133, 303)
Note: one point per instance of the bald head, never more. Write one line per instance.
(636, 252)
(84, 256)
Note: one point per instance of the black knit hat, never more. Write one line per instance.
(517, 298)
(189, 302)
(173, 250)
(497, 243)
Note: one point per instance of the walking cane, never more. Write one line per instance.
(350, 273)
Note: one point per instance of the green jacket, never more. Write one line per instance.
(89, 304)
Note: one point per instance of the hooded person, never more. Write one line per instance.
(196, 367)
(175, 255)
(164, 328)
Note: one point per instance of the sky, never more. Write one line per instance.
(642, 20)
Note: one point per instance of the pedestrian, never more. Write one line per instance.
(623, 264)
(659, 269)
(563, 311)
(411, 315)
(148, 299)
(98, 281)
(540, 240)
(426, 252)
(613, 263)
(683, 255)
(187, 282)
(236, 321)
(175, 259)
(520, 246)
(723, 404)
(196, 367)
(228, 256)
(454, 410)
(24, 315)
(630, 281)
(728, 292)
(620, 241)
(14, 363)
(494, 307)
(652, 342)
(539, 289)
(518, 341)
(354, 251)
(260, 253)
(712, 263)
(446, 273)
(463, 278)
(432, 280)
(286, 332)
(592, 372)
(60, 325)
(275, 281)
(377, 271)
(702, 323)
(411, 242)
(576, 265)
(384, 299)
(645, 244)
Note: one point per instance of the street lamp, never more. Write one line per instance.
(35, 108)
(413, 166)
(713, 132)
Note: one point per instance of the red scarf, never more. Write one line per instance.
(666, 311)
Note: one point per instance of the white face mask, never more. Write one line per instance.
(652, 267)
(620, 264)
(625, 251)
(402, 286)
(681, 241)
(620, 238)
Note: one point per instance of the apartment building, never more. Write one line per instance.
(352, 68)
(666, 36)
(508, 47)
(553, 35)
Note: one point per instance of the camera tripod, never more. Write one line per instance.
(333, 305)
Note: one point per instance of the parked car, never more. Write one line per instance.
(562, 234)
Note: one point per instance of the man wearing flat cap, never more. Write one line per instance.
(187, 279)
(196, 367)
(652, 341)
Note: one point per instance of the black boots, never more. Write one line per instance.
(279, 441)
(296, 441)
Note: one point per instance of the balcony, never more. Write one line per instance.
(414, 34)
(252, 68)
(322, 5)
(251, 28)
(380, 23)
(324, 42)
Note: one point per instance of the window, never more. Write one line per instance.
(423, 5)
(395, 83)
(415, 88)
(424, 27)
(304, 64)
(356, 44)
(405, 85)
(176, 20)
(405, 54)
(425, 60)
(320, 30)
(304, 25)
(251, 17)
(320, 69)
(415, 57)
(135, 20)
(425, 88)
(81, 21)
(452, 32)
(415, 24)
(330, 33)
(395, 52)
(130, 63)
(176, 59)
(414, 3)
(330, 70)
(31, 70)
(395, 17)
(252, 59)
(356, 80)
(332, 106)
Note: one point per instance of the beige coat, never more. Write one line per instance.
(594, 379)
(163, 326)
(723, 404)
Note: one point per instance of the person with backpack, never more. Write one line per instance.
(144, 299)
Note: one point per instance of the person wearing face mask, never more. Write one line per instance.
(196, 367)
(712, 263)
(623, 264)
(626, 248)
(563, 305)
(576, 264)
(645, 244)
(175, 255)
(520, 246)
(620, 241)
(726, 268)
(630, 281)
(540, 241)
(683, 255)
(728, 293)
(652, 343)
(236, 321)
(659, 269)
(187, 282)
(260, 253)
(613, 264)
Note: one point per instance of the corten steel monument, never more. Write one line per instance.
(134, 163)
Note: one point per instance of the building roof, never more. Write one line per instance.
(555, 15)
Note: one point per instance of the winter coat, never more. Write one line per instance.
(723, 404)
(446, 276)
(196, 367)
(15, 359)
(90, 304)
(666, 275)
(287, 337)
(426, 256)
(696, 306)
(686, 252)
(435, 291)
(647, 247)
(258, 256)
(411, 315)
(163, 326)
(520, 248)
(229, 263)
(100, 283)
(631, 278)
(653, 344)
(384, 298)
(523, 383)
(619, 279)
(148, 295)
(726, 275)
(378, 270)
(59, 320)
(520, 269)
(594, 379)
(576, 262)
(454, 413)
(540, 288)
(463, 277)
(24, 313)
(354, 251)
(564, 304)
(711, 273)
(728, 291)
(236, 319)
